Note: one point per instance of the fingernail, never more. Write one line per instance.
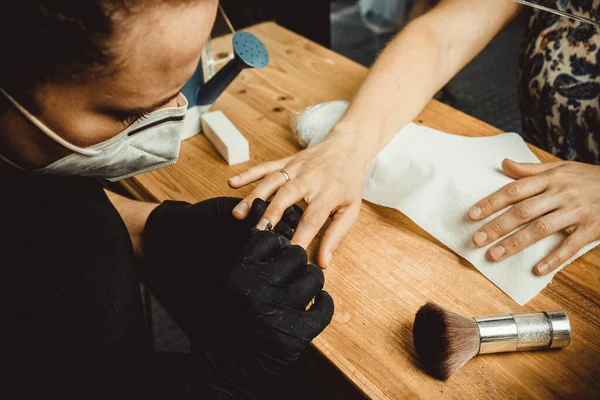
(475, 212)
(498, 252)
(241, 208)
(262, 224)
(542, 268)
(327, 260)
(234, 179)
(480, 238)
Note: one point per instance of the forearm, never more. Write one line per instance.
(399, 85)
(134, 214)
(416, 65)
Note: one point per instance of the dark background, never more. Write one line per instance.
(309, 18)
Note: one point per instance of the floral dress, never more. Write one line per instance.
(560, 81)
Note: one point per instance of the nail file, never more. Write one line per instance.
(226, 138)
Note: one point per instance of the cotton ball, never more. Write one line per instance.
(313, 124)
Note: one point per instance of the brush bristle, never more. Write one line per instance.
(444, 340)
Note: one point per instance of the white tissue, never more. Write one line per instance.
(434, 178)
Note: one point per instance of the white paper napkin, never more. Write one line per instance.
(434, 178)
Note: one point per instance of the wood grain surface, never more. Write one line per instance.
(388, 267)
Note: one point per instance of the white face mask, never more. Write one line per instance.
(150, 143)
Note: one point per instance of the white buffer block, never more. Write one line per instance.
(191, 123)
(232, 145)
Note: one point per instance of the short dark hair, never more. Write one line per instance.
(53, 40)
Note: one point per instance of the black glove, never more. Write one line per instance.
(189, 251)
(265, 325)
(178, 229)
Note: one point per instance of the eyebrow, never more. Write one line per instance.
(153, 106)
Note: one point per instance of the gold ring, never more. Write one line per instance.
(285, 174)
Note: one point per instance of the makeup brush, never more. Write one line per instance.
(446, 340)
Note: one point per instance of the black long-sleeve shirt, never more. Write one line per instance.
(73, 323)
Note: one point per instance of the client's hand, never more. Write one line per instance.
(549, 198)
(329, 177)
(264, 324)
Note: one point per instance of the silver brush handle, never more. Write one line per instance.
(525, 331)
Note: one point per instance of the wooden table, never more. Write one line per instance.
(388, 267)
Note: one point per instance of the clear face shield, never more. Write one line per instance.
(551, 7)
